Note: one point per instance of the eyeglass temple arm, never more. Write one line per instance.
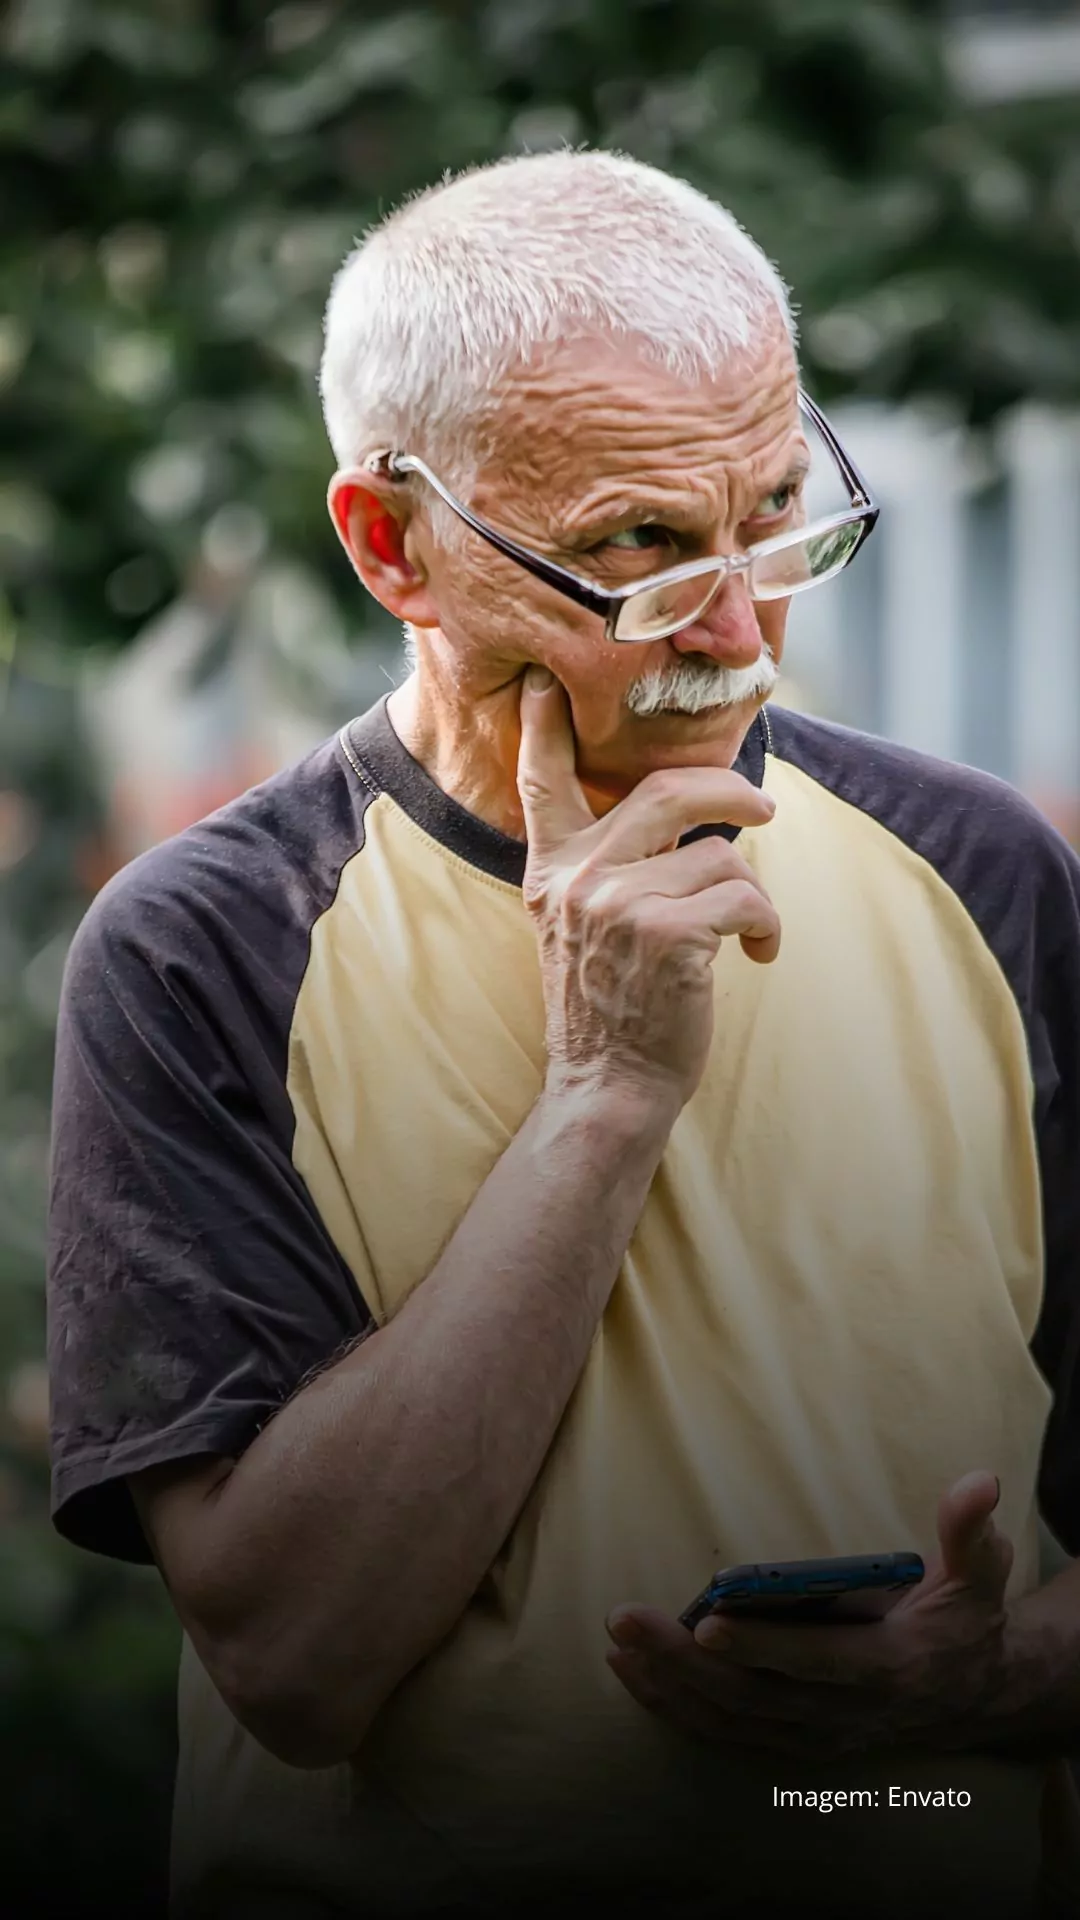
(394, 465)
(861, 493)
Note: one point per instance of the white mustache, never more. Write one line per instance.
(695, 685)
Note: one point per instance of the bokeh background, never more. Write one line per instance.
(179, 181)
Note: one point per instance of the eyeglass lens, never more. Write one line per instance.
(806, 564)
(663, 608)
(666, 606)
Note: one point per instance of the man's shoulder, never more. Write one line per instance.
(970, 825)
(251, 877)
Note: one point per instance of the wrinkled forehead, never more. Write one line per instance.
(583, 413)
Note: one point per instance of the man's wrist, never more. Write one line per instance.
(623, 1106)
(1035, 1710)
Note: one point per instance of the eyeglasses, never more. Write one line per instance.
(664, 603)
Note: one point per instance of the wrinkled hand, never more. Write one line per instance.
(628, 923)
(920, 1676)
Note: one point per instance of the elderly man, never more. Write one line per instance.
(574, 1131)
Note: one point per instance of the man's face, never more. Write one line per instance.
(618, 470)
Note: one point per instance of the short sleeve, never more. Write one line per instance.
(191, 1282)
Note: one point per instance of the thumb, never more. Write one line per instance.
(973, 1552)
(552, 799)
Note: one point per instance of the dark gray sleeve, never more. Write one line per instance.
(191, 1283)
(1054, 1030)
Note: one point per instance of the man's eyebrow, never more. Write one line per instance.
(797, 468)
(687, 514)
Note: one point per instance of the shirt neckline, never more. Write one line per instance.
(379, 758)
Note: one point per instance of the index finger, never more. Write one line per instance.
(666, 805)
(552, 799)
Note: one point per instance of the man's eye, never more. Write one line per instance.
(639, 539)
(776, 502)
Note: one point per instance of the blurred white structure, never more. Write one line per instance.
(957, 631)
(1014, 50)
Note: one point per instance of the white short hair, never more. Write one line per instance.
(463, 282)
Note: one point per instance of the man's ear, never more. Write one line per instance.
(370, 523)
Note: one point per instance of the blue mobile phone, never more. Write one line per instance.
(851, 1592)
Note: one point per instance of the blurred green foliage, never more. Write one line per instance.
(180, 180)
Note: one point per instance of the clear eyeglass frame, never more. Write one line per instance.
(664, 603)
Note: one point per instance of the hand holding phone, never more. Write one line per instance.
(856, 1591)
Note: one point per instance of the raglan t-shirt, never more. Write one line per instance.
(294, 1042)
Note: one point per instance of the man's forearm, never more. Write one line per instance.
(350, 1537)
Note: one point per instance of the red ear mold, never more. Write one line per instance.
(384, 538)
(384, 534)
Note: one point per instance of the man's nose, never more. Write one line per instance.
(728, 630)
